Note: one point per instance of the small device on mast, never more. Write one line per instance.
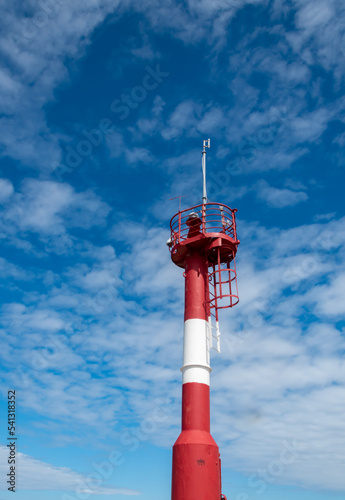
(206, 144)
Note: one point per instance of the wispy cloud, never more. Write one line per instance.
(37, 475)
(35, 43)
(279, 198)
(49, 208)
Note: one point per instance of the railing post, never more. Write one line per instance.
(234, 223)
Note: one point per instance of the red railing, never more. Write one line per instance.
(204, 218)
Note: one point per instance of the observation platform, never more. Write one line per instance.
(208, 228)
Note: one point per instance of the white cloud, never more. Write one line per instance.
(138, 155)
(183, 118)
(115, 143)
(49, 207)
(190, 117)
(8, 270)
(197, 20)
(310, 126)
(6, 190)
(145, 51)
(132, 155)
(279, 198)
(34, 44)
(103, 274)
(328, 216)
(38, 320)
(37, 475)
(150, 125)
(313, 15)
(212, 121)
(329, 298)
(319, 38)
(149, 269)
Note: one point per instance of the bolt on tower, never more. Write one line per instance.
(204, 243)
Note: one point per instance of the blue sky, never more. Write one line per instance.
(104, 106)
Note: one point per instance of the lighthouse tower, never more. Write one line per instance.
(204, 243)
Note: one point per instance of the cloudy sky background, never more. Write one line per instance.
(92, 307)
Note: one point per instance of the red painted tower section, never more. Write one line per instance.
(204, 243)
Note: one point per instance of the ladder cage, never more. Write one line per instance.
(223, 290)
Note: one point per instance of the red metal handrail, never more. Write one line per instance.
(214, 218)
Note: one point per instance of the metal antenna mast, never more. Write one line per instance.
(206, 144)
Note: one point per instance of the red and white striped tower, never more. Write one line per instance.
(203, 242)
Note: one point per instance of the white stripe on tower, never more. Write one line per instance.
(196, 366)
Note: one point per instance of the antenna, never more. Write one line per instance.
(205, 144)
